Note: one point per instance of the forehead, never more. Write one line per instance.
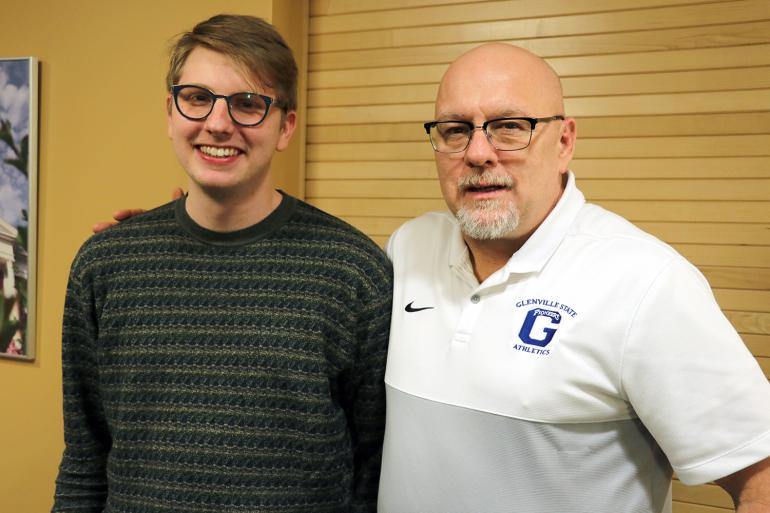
(490, 85)
(209, 68)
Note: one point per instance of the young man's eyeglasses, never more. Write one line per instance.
(504, 134)
(196, 103)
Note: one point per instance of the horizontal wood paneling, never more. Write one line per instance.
(729, 57)
(754, 323)
(738, 278)
(751, 32)
(443, 14)
(686, 507)
(696, 190)
(744, 300)
(663, 168)
(709, 233)
(622, 105)
(725, 255)
(490, 22)
(330, 7)
(759, 345)
(709, 495)
(601, 85)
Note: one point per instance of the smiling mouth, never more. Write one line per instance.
(217, 152)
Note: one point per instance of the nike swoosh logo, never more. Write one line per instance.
(410, 308)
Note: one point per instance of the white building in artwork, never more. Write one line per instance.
(7, 241)
(8, 276)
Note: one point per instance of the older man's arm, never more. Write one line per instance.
(749, 488)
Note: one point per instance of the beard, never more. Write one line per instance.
(487, 219)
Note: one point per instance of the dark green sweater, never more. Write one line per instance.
(238, 372)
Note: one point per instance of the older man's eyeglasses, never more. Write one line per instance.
(504, 134)
(196, 103)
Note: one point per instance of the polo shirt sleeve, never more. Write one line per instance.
(692, 381)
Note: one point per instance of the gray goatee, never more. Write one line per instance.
(487, 219)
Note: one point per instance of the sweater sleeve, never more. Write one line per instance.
(367, 414)
(81, 485)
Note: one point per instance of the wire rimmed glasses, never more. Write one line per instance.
(504, 134)
(196, 103)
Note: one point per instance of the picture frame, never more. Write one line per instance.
(18, 205)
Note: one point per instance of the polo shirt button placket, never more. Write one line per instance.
(468, 318)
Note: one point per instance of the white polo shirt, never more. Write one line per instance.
(568, 380)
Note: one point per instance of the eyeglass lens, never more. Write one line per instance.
(504, 134)
(197, 103)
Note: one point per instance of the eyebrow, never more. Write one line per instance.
(507, 113)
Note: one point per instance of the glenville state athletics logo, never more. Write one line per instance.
(540, 324)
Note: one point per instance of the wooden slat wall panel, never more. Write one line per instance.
(673, 105)
(728, 57)
(450, 25)
(639, 83)
(746, 32)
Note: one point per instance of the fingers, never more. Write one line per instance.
(100, 227)
(126, 213)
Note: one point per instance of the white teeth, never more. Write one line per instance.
(213, 151)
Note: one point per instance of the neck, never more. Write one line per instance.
(227, 211)
(489, 256)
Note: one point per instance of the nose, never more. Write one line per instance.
(219, 120)
(480, 152)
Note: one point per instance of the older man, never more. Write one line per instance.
(545, 354)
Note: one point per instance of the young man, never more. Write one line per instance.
(546, 355)
(225, 352)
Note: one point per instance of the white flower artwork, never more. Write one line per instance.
(18, 205)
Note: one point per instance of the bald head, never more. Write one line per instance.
(532, 87)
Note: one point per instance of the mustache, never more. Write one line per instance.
(486, 178)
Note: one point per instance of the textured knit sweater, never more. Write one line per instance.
(211, 372)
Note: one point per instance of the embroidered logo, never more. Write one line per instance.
(539, 327)
(540, 324)
(410, 308)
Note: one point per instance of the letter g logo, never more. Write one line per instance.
(539, 327)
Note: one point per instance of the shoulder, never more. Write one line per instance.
(426, 227)
(606, 231)
(611, 250)
(430, 230)
(119, 239)
(326, 236)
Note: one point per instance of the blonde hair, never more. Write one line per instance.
(252, 43)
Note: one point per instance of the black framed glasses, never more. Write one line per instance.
(504, 134)
(196, 103)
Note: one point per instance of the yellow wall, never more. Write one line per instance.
(103, 146)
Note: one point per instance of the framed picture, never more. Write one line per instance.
(18, 205)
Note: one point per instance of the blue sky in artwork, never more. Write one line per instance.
(14, 107)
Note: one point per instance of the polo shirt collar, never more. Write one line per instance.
(538, 249)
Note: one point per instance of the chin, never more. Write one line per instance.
(488, 220)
